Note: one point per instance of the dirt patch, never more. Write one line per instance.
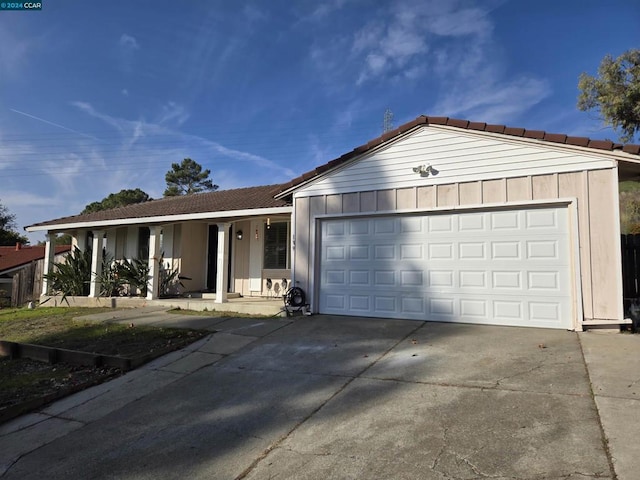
(23, 382)
(28, 384)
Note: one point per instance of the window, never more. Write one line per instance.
(276, 245)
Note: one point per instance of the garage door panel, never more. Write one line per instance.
(544, 281)
(499, 267)
(335, 253)
(476, 279)
(543, 250)
(360, 278)
(442, 251)
(440, 278)
(385, 304)
(507, 311)
(411, 251)
(542, 219)
(359, 252)
(472, 251)
(473, 308)
(472, 223)
(440, 223)
(501, 221)
(412, 305)
(410, 225)
(382, 226)
(542, 312)
(506, 250)
(384, 252)
(360, 303)
(504, 279)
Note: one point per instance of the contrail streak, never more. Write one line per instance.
(54, 124)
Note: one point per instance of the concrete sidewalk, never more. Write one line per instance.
(339, 397)
(613, 362)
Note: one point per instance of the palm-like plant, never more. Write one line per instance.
(134, 272)
(71, 277)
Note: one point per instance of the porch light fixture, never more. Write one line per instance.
(268, 222)
(239, 234)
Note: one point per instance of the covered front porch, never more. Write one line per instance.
(211, 261)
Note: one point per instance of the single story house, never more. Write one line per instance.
(21, 268)
(439, 219)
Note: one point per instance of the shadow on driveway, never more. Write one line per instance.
(340, 397)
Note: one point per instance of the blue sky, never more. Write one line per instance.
(100, 96)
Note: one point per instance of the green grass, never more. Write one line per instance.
(56, 327)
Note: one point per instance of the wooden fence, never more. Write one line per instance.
(27, 284)
(631, 266)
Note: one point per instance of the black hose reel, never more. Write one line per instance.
(295, 301)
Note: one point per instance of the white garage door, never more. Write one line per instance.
(506, 267)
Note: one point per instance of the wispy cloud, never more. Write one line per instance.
(450, 44)
(14, 54)
(474, 84)
(152, 131)
(128, 43)
(12, 152)
(254, 14)
(89, 110)
(325, 8)
(493, 99)
(397, 42)
(173, 111)
(128, 46)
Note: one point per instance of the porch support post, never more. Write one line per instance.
(49, 253)
(79, 240)
(222, 277)
(153, 282)
(96, 263)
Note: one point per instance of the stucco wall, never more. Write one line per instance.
(598, 232)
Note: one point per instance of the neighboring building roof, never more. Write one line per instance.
(18, 255)
(219, 201)
(462, 124)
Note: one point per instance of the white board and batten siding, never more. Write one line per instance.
(479, 175)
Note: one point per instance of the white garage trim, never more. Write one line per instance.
(483, 303)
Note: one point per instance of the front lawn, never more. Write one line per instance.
(55, 327)
(23, 381)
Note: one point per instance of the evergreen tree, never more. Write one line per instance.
(186, 178)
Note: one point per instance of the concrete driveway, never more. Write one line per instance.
(330, 397)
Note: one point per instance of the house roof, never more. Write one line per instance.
(14, 256)
(238, 199)
(462, 124)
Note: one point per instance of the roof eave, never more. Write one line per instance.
(161, 219)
